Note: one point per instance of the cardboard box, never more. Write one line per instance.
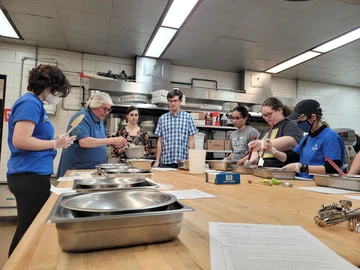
(226, 145)
(198, 115)
(215, 144)
(199, 122)
(222, 178)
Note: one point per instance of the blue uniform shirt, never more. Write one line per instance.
(76, 157)
(30, 108)
(326, 144)
(175, 132)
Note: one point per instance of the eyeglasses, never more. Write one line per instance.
(268, 115)
(236, 117)
(106, 110)
(173, 101)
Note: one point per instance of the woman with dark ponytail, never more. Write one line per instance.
(284, 133)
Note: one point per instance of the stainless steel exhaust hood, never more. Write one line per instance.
(154, 74)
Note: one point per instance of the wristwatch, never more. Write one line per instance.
(304, 168)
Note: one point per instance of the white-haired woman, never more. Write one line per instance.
(90, 147)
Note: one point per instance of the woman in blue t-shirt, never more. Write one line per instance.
(321, 142)
(32, 144)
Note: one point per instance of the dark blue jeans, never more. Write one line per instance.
(171, 165)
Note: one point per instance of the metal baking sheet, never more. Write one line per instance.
(269, 172)
(220, 165)
(142, 185)
(77, 234)
(242, 169)
(111, 166)
(336, 181)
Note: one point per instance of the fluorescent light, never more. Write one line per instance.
(293, 61)
(339, 41)
(178, 12)
(6, 29)
(162, 38)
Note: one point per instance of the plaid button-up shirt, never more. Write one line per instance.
(175, 132)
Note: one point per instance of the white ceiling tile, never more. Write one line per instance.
(144, 26)
(44, 10)
(117, 24)
(240, 7)
(16, 6)
(72, 15)
(97, 21)
(119, 11)
(314, 21)
(50, 3)
(257, 24)
(98, 7)
(128, 3)
(331, 9)
(74, 5)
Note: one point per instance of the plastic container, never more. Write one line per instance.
(199, 140)
(224, 120)
(215, 118)
(197, 161)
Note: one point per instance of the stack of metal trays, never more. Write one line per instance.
(221, 165)
(349, 182)
(76, 234)
(141, 163)
(242, 169)
(111, 183)
(270, 172)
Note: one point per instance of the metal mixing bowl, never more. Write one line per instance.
(115, 202)
(136, 151)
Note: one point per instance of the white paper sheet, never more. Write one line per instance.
(190, 194)
(256, 246)
(59, 191)
(353, 197)
(328, 190)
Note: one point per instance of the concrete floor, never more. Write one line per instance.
(7, 230)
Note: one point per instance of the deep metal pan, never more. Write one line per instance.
(242, 169)
(269, 172)
(336, 181)
(221, 165)
(142, 185)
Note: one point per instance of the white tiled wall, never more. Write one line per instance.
(341, 104)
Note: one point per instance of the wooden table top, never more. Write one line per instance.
(254, 203)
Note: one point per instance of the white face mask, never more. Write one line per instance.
(51, 99)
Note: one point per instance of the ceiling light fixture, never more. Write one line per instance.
(173, 18)
(293, 62)
(7, 28)
(339, 41)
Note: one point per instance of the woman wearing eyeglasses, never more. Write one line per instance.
(244, 134)
(309, 156)
(133, 133)
(283, 133)
(90, 147)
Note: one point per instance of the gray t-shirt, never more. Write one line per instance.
(239, 141)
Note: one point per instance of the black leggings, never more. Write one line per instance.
(31, 192)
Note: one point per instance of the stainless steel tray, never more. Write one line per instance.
(243, 170)
(183, 164)
(76, 234)
(141, 163)
(221, 165)
(269, 172)
(130, 170)
(336, 181)
(142, 185)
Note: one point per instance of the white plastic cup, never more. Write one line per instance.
(197, 161)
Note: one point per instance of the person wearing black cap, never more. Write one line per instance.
(321, 142)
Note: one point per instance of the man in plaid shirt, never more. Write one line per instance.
(176, 130)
